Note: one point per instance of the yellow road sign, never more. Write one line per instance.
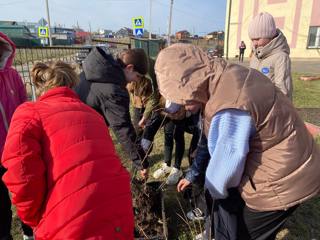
(43, 32)
(137, 22)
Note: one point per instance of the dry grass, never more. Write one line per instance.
(304, 223)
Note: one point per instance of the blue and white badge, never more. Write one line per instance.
(265, 70)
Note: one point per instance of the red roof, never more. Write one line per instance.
(82, 34)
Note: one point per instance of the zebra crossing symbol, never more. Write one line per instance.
(137, 22)
(43, 32)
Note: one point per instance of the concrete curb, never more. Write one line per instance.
(309, 78)
(313, 129)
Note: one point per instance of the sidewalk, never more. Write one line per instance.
(298, 65)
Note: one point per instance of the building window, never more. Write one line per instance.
(314, 37)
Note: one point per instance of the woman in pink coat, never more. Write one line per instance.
(12, 94)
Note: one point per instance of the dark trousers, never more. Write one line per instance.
(5, 209)
(174, 130)
(241, 56)
(232, 220)
(26, 229)
(6, 213)
(189, 125)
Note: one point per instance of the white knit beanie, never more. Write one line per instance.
(262, 26)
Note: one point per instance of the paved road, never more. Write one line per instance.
(298, 65)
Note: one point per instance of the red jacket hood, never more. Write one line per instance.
(7, 57)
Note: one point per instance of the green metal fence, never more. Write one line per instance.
(25, 57)
(20, 35)
(151, 46)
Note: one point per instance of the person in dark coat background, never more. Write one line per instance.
(242, 48)
(103, 87)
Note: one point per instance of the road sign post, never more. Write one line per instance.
(138, 26)
(43, 33)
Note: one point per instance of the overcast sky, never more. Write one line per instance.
(196, 16)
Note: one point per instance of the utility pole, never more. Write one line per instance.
(90, 38)
(169, 25)
(150, 14)
(228, 30)
(49, 25)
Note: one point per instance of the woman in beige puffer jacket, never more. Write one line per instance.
(271, 52)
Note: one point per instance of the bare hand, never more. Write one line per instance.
(144, 173)
(182, 185)
(142, 122)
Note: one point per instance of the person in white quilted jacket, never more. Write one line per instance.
(270, 52)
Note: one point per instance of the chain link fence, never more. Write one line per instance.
(151, 46)
(26, 57)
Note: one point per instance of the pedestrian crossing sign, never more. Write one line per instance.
(43, 32)
(138, 32)
(138, 22)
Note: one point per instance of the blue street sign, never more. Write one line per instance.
(138, 32)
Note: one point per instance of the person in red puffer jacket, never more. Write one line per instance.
(62, 170)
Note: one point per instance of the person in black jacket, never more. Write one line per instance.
(103, 87)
